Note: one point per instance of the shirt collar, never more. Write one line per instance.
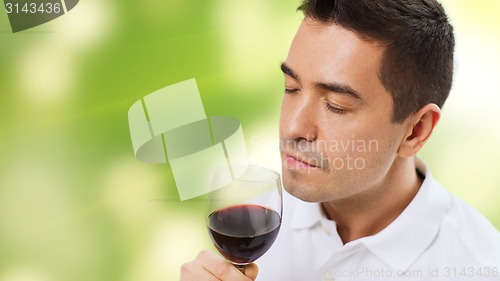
(401, 242)
(407, 237)
(306, 215)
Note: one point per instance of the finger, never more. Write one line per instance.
(192, 271)
(251, 270)
(220, 268)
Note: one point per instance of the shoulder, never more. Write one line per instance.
(478, 236)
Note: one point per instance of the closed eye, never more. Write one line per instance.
(291, 91)
(334, 109)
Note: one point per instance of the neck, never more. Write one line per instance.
(371, 211)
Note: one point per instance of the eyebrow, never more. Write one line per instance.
(338, 88)
(288, 71)
(331, 86)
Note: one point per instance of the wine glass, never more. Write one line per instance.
(244, 217)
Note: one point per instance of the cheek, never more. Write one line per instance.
(359, 146)
(283, 114)
(379, 150)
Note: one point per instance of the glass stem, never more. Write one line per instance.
(240, 267)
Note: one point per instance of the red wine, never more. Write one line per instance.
(243, 233)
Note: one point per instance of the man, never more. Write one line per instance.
(364, 84)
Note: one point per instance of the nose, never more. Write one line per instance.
(298, 118)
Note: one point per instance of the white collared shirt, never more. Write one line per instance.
(437, 237)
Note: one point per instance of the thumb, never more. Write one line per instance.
(251, 270)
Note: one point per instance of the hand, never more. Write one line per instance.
(210, 267)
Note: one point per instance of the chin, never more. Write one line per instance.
(314, 191)
(302, 192)
(305, 196)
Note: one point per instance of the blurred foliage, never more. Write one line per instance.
(75, 204)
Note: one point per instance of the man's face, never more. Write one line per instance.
(337, 138)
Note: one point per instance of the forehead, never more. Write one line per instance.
(329, 53)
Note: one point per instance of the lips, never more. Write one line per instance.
(296, 162)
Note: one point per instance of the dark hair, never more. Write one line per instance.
(417, 65)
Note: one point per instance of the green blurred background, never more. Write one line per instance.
(76, 205)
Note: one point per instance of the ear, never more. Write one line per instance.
(419, 129)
